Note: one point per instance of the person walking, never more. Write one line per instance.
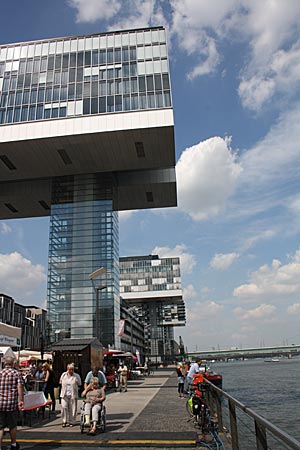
(180, 379)
(49, 382)
(11, 399)
(70, 382)
(95, 372)
(122, 370)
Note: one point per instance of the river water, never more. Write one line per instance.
(272, 389)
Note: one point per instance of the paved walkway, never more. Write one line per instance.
(149, 413)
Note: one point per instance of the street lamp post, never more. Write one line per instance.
(96, 274)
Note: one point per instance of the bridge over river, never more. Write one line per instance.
(242, 353)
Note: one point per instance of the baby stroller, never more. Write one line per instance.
(101, 424)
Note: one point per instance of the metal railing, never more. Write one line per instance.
(215, 399)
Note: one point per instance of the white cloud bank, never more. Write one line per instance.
(262, 312)
(187, 260)
(4, 228)
(276, 281)
(93, 10)
(18, 276)
(222, 261)
(207, 174)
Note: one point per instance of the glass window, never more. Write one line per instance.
(126, 86)
(64, 77)
(110, 55)
(11, 99)
(56, 94)
(87, 58)
(47, 113)
(143, 101)
(86, 106)
(48, 94)
(159, 100)
(39, 112)
(71, 92)
(142, 84)
(134, 85)
(118, 86)
(4, 97)
(24, 113)
(102, 88)
(102, 56)
(72, 75)
(125, 70)
(132, 54)
(32, 110)
(57, 77)
(110, 87)
(17, 114)
(19, 98)
(103, 74)
(50, 63)
(36, 64)
(117, 55)
(94, 91)
(78, 90)
(33, 96)
(13, 83)
(87, 89)
(157, 82)
(43, 64)
(102, 104)
(2, 115)
(150, 84)
(110, 104)
(79, 75)
(133, 69)
(25, 97)
(63, 93)
(63, 111)
(126, 100)
(6, 82)
(29, 65)
(9, 115)
(50, 77)
(95, 57)
(35, 79)
(80, 59)
(134, 102)
(54, 113)
(166, 84)
(167, 98)
(73, 60)
(125, 54)
(118, 103)
(151, 100)
(65, 61)
(94, 106)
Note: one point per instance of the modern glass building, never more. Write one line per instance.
(153, 285)
(86, 130)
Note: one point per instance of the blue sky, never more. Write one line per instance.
(235, 70)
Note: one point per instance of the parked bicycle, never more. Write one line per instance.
(197, 407)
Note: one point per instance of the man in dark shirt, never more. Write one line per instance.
(11, 399)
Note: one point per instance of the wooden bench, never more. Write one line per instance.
(35, 402)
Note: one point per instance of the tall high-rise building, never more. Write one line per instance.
(86, 130)
(153, 285)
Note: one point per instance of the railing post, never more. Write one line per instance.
(233, 426)
(261, 436)
(219, 410)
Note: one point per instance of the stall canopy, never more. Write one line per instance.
(6, 351)
(9, 335)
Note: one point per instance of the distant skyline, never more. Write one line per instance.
(235, 71)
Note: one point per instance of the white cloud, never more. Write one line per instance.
(189, 292)
(222, 261)
(294, 309)
(273, 282)
(187, 260)
(18, 276)
(4, 228)
(207, 174)
(204, 310)
(262, 312)
(126, 215)
(93, 10)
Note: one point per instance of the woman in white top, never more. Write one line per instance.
(70, 382)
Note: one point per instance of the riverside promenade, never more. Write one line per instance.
(149, 415)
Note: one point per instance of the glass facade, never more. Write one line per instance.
(83, 237)
(154, 286)
(79, 76)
